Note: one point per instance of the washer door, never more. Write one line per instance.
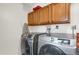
(49, 49)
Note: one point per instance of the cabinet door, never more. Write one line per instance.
(41, 16)
(30, 19)
(44, 15)
(50, 13)
(37, 18)
(60, 13)
(33, 18)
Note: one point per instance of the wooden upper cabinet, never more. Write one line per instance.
(55, 13)
(60, 13)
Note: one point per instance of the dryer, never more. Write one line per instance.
(27, 41)
(48, 45)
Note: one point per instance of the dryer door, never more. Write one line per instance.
(49, 49)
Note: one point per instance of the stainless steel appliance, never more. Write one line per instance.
(26, 41)
(48, 45)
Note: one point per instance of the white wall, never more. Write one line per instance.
(12, 18)
(63, 28)
(75, 15)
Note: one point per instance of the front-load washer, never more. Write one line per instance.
(48, 45)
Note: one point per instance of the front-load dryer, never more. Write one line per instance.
(48, 45)
(25, 48)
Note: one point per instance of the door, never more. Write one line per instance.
(44, 15)
(36, 18)
(49, 49)
(60, 13)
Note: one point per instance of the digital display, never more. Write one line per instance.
(66, 41)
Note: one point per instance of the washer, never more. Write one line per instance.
(48, 45)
